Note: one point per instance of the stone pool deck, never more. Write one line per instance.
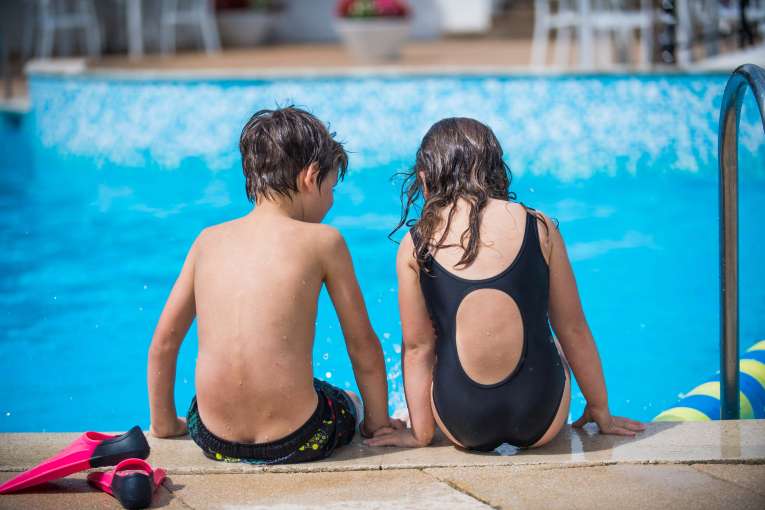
(706, 465)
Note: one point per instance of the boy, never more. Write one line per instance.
(253, 284)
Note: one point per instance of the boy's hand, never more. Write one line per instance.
(178, 428)
(609, 424)
(393, 425)
(398, 437)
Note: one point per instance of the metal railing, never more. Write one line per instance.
(754, 77)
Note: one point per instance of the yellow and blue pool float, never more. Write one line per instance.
(702, 403)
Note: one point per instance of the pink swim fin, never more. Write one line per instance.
(90, 450)
(133, 482)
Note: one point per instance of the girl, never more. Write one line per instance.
(481, 279)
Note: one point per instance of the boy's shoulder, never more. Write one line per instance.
(325, 242)
(326, 237)
(215, 231)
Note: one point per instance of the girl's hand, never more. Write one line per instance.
(400, 437)
(609, 424)
(179, 428)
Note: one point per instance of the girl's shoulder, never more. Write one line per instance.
(546, 228)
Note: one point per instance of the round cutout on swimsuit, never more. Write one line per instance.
(489, 335)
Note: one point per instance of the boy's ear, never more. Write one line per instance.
(308, 179)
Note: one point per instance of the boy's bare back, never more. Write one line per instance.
(256, 284)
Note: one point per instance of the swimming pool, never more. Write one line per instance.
(105, 183)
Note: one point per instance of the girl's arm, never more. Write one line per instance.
(171, 329)
(418, 355)
(570, 325)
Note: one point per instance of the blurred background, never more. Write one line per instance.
(252, 34)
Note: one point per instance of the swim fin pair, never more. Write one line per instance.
(133, 481)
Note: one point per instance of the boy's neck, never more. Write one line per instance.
(281, 206)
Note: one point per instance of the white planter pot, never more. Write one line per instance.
(465, 17)
(373, 40)
(241, 28)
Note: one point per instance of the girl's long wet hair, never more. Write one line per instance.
(458, 158)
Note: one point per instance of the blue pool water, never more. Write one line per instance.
(105, 183)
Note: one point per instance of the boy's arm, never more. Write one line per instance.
(418, 355)
(171, 329)
(570, 325)
(363, 345)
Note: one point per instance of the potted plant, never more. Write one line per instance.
(373, 30)
(245, 23)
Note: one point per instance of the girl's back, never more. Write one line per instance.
(498, 376)
(489, 327)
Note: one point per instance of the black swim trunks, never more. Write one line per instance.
(331, 425)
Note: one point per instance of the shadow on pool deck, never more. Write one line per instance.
(677, 465)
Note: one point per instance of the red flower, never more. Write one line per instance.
(390, 8)
(371, 8)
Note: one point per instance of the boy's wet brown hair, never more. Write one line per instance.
(276, 145)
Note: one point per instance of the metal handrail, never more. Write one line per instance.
(754, 77)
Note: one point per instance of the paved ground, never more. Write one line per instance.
(672, 465)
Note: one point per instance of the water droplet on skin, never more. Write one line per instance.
(302, 282)
(328, 375)
(284, 337)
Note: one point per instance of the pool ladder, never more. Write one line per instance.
(754, 76)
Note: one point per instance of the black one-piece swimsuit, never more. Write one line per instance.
(519, 409)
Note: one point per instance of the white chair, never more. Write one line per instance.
(590, 19)
(612, 21)
(564, 20)
(195, 13)
(58, 18)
